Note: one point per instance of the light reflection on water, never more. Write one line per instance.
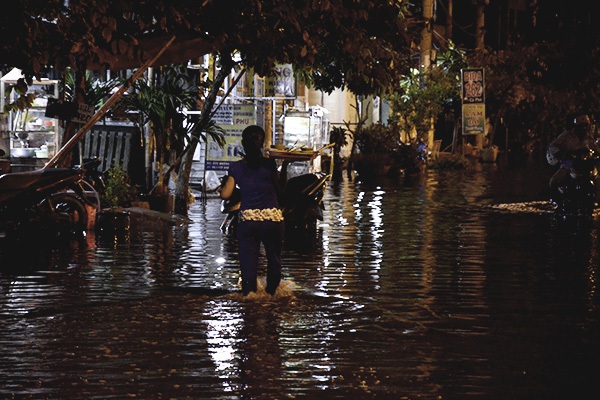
(449, 286)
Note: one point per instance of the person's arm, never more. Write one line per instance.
(557, 148)
(227, 188)
(593, 144)
(279, 177)
(283, 173)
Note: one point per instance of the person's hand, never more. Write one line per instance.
(227, 187)
(223, 180)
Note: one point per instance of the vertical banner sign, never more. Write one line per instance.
(233, 118)
(284, 80)
(473, 101)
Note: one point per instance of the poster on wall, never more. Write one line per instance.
(233, 118)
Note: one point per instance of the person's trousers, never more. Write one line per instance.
(558, 178)
(250, 235)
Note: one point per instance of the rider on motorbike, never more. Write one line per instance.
(574, 138)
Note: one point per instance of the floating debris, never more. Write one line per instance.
(526, 207)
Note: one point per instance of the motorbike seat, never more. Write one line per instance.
(302, 187)
(297, 185)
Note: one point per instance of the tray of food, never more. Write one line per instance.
(297, 154)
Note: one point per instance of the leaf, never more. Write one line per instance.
(122, 46)
(107, 34)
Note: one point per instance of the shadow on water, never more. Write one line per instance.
(454, 285)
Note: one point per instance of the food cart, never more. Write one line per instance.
(305, 140)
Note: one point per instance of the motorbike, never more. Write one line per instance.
(231, 207)
(45, 201)
(93, 177)
(302, 202)
(576, 195)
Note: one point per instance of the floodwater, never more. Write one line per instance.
(456, 285)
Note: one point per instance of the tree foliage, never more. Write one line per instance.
(361, 45)
(161, 104)
(423, 96)
(534, 87)
(96, 91)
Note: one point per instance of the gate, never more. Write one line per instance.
(111, 144)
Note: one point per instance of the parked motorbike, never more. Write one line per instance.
(45, 201)
(576, 196)
(302, 202)
(231, 207)
(93, 177)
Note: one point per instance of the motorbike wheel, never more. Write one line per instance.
(577, 199)
(67, 212)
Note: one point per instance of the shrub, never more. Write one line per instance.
(377, 139)
(452, 162)
(119, 191)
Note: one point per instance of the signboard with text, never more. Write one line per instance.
(473, 117)
(473, 85)
(473, 101)
(233, 118)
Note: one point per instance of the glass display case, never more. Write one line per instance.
(305, 129)
(33, 136)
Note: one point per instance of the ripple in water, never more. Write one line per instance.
(422, 289)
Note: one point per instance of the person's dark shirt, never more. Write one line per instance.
(257, 185)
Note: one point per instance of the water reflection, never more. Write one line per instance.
(449, 286)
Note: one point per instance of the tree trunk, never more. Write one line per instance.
(71, 127)
(185, 169)
(480, 42)
(449, 16)
(427, 34)
(359, 124)
(480, 23)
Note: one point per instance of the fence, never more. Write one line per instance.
(111, 144)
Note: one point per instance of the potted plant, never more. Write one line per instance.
(338, 136)
(159, 104)
(118, 195)
(375, 145)
(489, 153)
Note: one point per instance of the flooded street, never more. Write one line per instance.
(458, 285)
